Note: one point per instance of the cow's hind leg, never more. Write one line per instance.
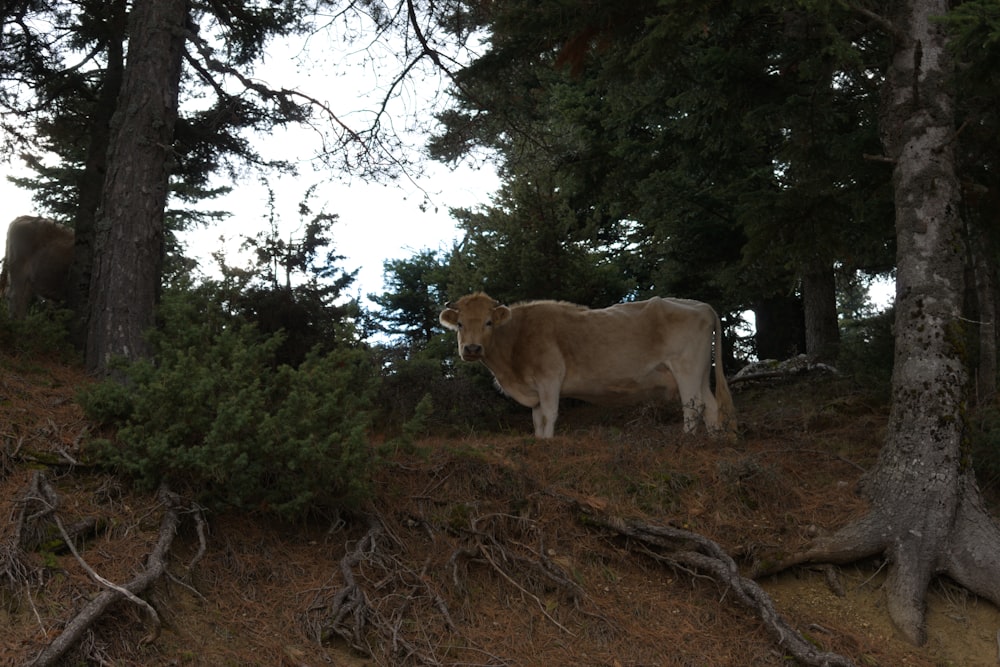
(697, 402)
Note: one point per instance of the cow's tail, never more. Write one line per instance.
(727, 411)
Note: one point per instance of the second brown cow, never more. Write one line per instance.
(37, 262)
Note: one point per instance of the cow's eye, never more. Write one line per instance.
(489, 323)
(459, 325)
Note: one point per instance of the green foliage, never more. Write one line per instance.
(414, 297)
(293, 286)
(107, 403)
(44, 330)
(216, 418)
(532, 244)
(428, 389)
(707, 151)
(417, 425)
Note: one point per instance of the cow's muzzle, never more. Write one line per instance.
(472, 352)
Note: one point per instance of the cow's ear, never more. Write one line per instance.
(500, 315)
(449, 318)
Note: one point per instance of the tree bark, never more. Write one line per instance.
(819, 301)
(94, 171)
(129, 227)
(780, 330)
(985, 288)
(927, 517)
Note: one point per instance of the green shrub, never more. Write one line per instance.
(444, 396)
(43, 331)
(107, 403)
(218, 420)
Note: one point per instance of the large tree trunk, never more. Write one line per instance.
(819, 302)
(129, 230)
(780, 331)
(926, 513)
(92, 177)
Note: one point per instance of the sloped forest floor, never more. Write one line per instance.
(478, 549)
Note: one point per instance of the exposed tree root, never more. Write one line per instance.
(380, 598)
(37, 501)
(690, 551)
(968, 552)
(156, 564)
(376, 627)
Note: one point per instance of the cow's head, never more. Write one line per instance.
(474, 317)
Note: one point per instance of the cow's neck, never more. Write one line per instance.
(499, 357)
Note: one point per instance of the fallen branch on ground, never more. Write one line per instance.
(684, 549)
(156, 565)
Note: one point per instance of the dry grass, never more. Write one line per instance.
(474, 551)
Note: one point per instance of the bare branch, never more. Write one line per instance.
(156, 565)
(153, 616)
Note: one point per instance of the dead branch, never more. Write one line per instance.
(372, 621)
(36, 502)
(514, 567)
(684, 549)
(156, 565)
(353, 617)
(153, 616)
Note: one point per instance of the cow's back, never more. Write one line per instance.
(608, 355)
(617, 332)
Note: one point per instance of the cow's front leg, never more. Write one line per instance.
(544, 414)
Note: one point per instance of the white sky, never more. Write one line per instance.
(378, 222)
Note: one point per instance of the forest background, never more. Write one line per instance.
(757, 157)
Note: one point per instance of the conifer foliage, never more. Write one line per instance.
(218, 420)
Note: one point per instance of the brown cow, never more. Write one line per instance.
(39, 254)
(541, 350)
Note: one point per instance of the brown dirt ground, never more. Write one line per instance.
(483, 558)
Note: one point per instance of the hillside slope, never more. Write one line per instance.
(485, 549)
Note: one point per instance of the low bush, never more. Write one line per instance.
(217, 419)
(451, 396)
(44, 330)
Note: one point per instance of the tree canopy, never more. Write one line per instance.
(722, 147)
